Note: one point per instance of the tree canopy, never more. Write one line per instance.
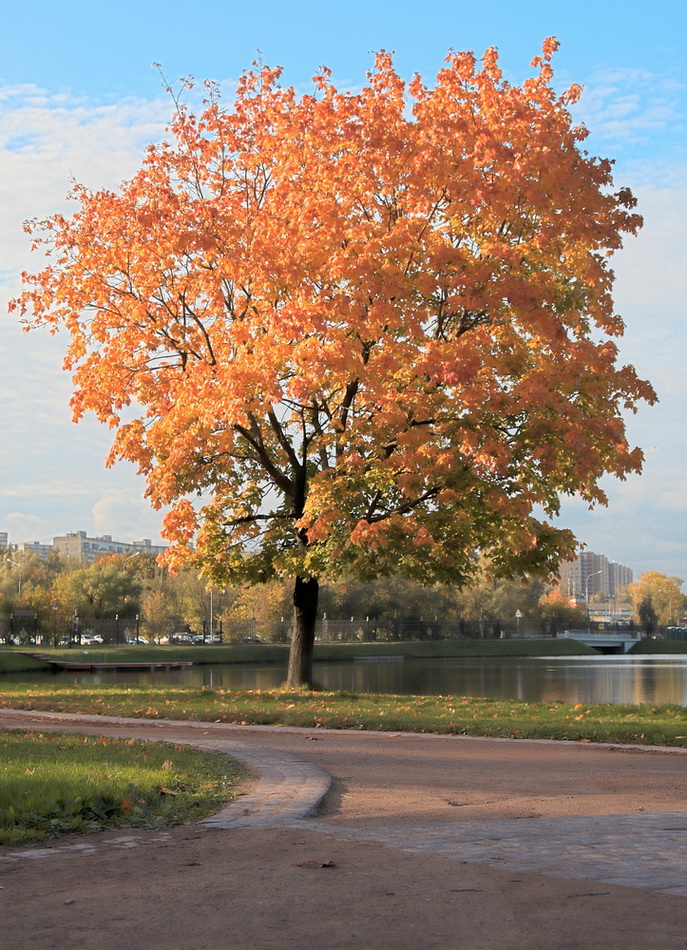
(657, 599)
(355, 333)
(102, 589)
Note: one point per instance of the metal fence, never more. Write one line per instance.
(366, 630)
(332, 631)
(120, 630)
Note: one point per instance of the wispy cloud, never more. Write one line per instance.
(121, 513)
(52, 473)
(628, 111)
(48, 140)
(631, 105)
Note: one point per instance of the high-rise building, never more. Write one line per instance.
(591, 574)
(619, 577)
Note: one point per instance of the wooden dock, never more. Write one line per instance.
(100, 666)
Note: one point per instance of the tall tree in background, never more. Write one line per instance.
(657, 599)
(102, 589)
(355, 333)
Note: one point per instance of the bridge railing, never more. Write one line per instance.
(602, 634)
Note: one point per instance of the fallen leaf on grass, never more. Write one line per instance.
(316, 864)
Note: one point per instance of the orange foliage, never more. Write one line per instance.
(364, 332)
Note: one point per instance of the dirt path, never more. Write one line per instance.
(427, 842)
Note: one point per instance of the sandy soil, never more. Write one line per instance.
(194, 887)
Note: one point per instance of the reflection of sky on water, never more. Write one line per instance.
(603, 679)
(619, 679)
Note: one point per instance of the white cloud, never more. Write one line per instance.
(651, 270)
(47, 140)
(674, 497)
(22, 527)
(47, 464)
(124, 515)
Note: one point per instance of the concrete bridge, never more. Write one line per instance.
(605, 641)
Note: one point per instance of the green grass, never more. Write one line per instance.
(53, 784)
(453, 715)
(595, 722)
(660, 647)
(438, 649)
(11, 662)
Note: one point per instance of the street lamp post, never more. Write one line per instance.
(19, 567)
(586, 598)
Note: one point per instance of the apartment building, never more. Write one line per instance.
(78, 548)
(592, 574)
(36, 547)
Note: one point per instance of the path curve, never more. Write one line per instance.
(422, 842)
(638, 849)
(288, 788)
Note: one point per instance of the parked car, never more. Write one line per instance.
(185, 638)
(90, 639)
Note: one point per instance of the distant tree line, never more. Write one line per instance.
(123, 597)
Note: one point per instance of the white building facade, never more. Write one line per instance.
(78, 548)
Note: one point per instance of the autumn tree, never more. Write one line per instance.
(252, 610)
(355, 333)
(103, 589)
(500, 598)
(563, 612)
(26, 585)
(657, 599)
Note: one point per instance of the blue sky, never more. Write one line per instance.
(79, 97)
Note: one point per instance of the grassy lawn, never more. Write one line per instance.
(14, 662)
(453, 715)
(17, 659)
(53, 784)
(588, 722)
(660, 647)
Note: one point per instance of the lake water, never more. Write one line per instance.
(600, 679)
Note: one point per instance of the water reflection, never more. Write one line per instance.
(603, 679)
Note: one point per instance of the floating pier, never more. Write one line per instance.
(100, 666)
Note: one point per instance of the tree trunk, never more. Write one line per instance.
(305, 595)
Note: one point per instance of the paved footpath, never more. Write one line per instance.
(606, 815)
